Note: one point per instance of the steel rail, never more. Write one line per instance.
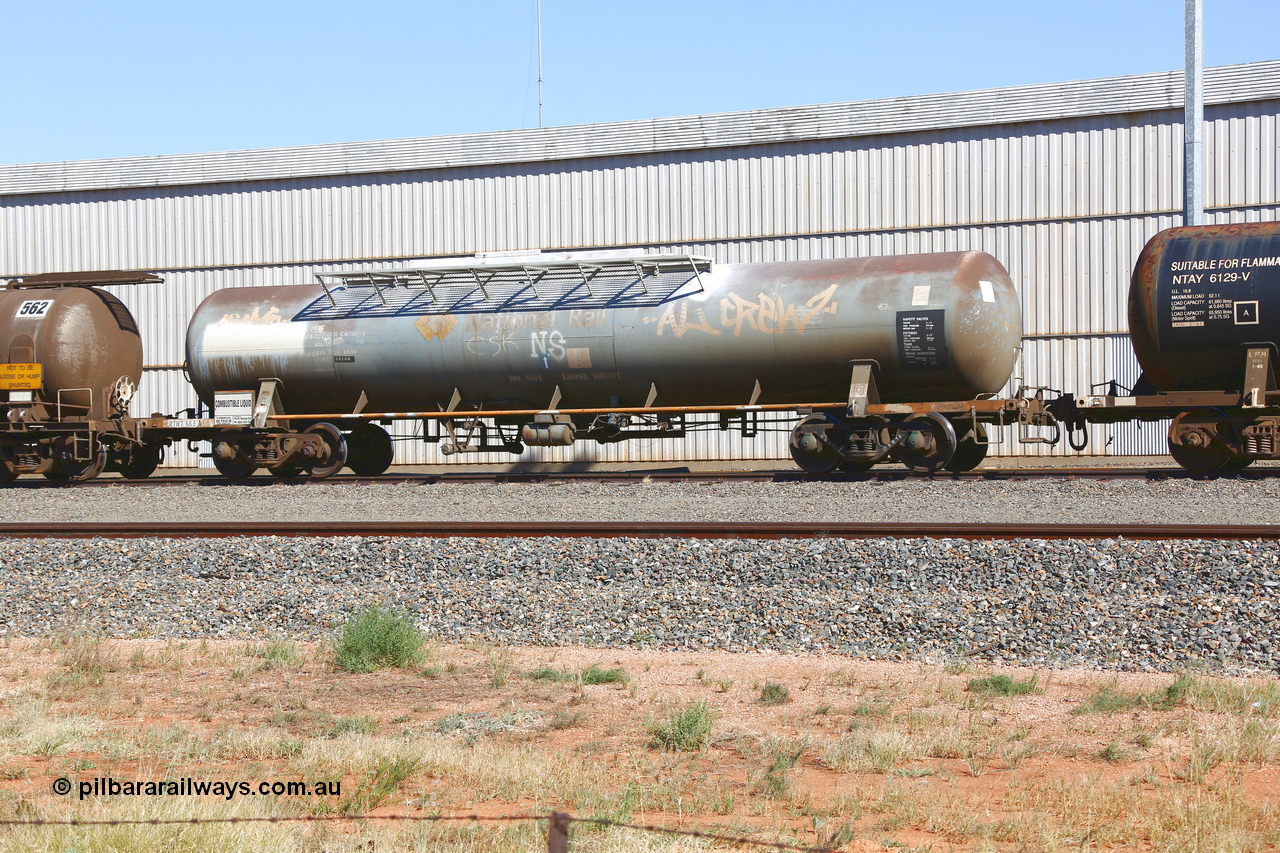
(887, 475)
(640, 530)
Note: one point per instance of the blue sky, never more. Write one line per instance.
(91, 80)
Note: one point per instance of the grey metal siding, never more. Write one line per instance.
(1030, 175)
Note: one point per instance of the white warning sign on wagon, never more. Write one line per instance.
(232, 408)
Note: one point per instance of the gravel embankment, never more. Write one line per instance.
(1129, 605)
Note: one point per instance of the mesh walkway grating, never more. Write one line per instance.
(497, 288)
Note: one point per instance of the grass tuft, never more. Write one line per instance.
(351, 725)
(877, 752)
(381, 782)
(593, 674)
(773, 693)
(277, 654)
(1001, 685)
(501, 662)
(566, 720)
(685, 730)
(1111, 701)
(379, 639)
(775, 781)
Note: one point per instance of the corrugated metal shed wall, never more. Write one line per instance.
(1066, 205)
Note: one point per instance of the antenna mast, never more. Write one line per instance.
(539, 7)
(1193, 116)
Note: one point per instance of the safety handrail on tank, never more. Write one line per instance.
(408, 276)
(524, 283)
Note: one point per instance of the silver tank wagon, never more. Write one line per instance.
(639, 331)
(940, 327)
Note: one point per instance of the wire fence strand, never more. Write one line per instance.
(697, 833)
(312, 818)
(739, 841)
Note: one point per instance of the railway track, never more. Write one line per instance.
(646, 530)
(667, 475)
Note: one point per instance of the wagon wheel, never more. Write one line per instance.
(335, 456)
(139, 461)
(1238, 463)
(1195, 441)
(970, 451)
(8, 459)
(929, 443)
(67, 469)
(815, 449)
(235, 466)
(369, 450)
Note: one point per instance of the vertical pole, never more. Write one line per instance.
(540, 62)
(558, 833)
(1193, 116)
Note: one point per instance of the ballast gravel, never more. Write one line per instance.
(1129, 605)
(1226, 501)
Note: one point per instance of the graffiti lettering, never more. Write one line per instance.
(503, 342)
(257, 317)
(494, 345)
(771, 315)
(547, 346)
(744, 311)
(681, 325)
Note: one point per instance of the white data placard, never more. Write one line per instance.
(233, 408)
